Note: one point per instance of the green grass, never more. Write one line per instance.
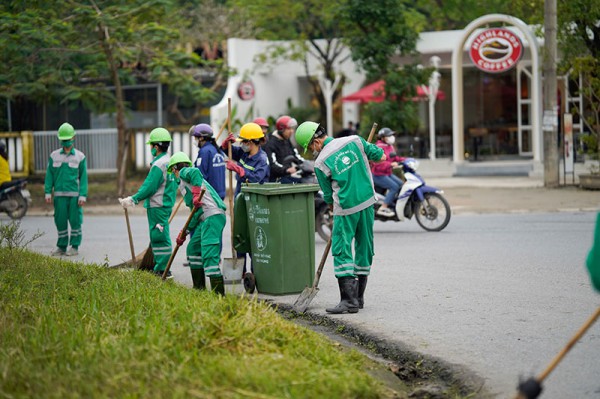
(74, 330)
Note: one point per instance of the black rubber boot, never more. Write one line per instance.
(217, 285)
(362, 285)
(348, 294)
(198, 279)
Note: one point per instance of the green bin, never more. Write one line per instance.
(281, 225)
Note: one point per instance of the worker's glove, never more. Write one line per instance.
(196, 192)
(127, 202)
(234, 167)
(229, 139)
(181, 237)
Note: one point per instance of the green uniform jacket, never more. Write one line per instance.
(212, 204)
(343, 172)
(67, 174)
(159, 188)
(593, 259)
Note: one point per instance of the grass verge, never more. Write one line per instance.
(77, 330)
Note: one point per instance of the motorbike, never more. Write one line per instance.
(15, 199)
(416, 198)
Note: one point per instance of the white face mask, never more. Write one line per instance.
(196, 142)
(390, 140)
(246, 147)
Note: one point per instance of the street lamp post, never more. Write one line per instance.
(328, 88)
(432, 92)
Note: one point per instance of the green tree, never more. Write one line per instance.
(377, 33)
(579, 42)
(71, 50)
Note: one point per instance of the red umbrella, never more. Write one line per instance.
(375, 93)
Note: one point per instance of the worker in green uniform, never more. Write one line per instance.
(593, 258)
(158, 193)
(66, 178)
(206, 228)
(342, 169)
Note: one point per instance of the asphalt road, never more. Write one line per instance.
(499, 294)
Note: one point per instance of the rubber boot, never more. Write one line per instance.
(348, 294)
(362, 285)
(198, 279)
(217, 285)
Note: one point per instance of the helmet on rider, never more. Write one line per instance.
(285, 122)
(385, 132)
(262, 122)
(66, 132)
(179, 160)
(308, 131)
(202, 130)
(251, 131)
(159, 135)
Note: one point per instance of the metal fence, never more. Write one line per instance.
(182, 141)
(15, 146)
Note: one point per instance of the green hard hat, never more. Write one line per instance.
(305, 133)
(66, 132)
(158, 135)
(178, 157)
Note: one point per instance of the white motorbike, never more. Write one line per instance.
(425, 203)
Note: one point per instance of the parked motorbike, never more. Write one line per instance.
(15, 199)
(425, 203)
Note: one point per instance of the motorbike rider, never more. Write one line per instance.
(210, 160)
(204, 249)
(66, 178)
(279, 149)
(158, 191)
(264, 125)
(344, 176)
(5, 177)
(382, 171)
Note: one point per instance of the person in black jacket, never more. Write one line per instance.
(281, 153)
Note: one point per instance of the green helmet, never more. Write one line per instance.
(159, 135)
(305, 133)
(66, 132)
(179, 157)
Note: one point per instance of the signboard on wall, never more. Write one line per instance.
(246, 90)
(496, 50)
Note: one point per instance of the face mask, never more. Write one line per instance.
(316, 154)
(390, 139)
(246, 147)
(67, 143)
(153, 151)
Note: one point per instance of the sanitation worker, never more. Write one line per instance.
(593, 259)
(66, 178)
(382, 171)
(250, 164)
(158, 193)
(211, 160)
(204, 249)
(342, 169)
(282, 154)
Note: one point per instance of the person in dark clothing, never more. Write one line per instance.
(282, 154)
(211, 160)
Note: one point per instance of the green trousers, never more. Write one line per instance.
(160, 239)
(357, 227)
(67, 212)
(204, 249)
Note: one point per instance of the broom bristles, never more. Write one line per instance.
(147, 262)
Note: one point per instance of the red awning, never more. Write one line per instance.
(375, 93)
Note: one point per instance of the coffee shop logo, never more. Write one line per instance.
(496, 50)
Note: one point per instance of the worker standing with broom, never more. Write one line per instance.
(158, 190)
(204, 249)
(344, 175)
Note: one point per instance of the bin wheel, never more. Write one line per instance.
(249, 283)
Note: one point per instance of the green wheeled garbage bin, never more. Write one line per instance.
(281, 226)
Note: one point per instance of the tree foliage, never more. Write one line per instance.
(71, 50)
(579, 41)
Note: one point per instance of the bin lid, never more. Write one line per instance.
(278, 188)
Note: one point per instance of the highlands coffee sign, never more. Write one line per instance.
(496, 50)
